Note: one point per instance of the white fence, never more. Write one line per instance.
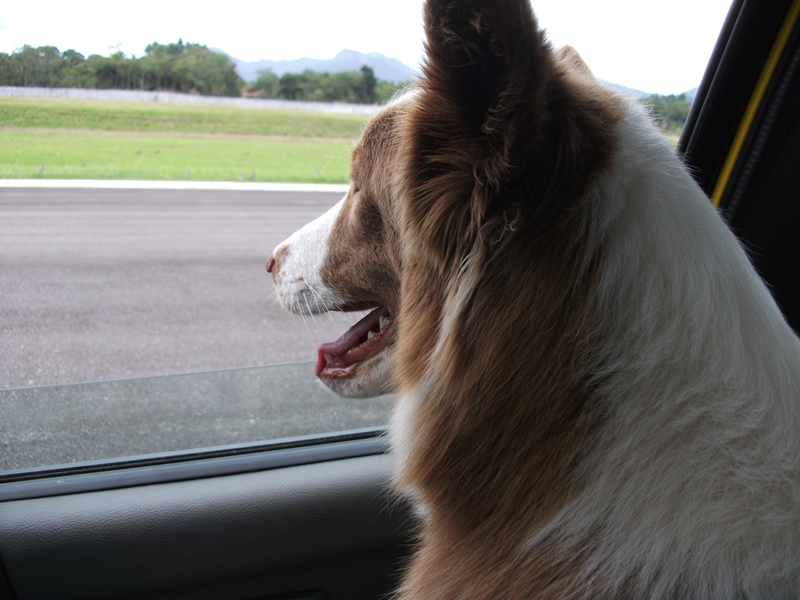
(175, 97)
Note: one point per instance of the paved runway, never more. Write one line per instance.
(111, 284)
(103, 284)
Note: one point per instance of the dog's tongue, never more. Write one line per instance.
(334, 358)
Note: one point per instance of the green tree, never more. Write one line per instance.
(35, 66)
(189, 68)
(182, 67)
(289, 87)
(338, 87)
(366, 92)
(385, 91)
(345, 86)
(5, 69)
(267, 84)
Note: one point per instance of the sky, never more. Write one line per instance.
(648, 45)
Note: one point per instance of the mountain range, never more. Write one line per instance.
(385, 68)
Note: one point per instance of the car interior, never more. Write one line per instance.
(314, 517)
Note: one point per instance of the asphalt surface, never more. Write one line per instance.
(117, 284)
(103, 284)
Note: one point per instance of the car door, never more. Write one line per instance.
(314, 517)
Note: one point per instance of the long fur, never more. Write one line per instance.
(598, 397)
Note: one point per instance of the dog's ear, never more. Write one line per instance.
(570, 57)
(482, 93)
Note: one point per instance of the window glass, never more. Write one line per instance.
(135, 291)
(136, 316)
(53, 425)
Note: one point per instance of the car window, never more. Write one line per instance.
(136, 316)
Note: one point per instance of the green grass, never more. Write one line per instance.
(88, 139)
(86, 155)
(179, 118)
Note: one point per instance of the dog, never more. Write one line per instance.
(597, 396)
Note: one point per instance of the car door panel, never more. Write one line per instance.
(332, 528)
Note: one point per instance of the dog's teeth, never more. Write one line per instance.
(328, 357)
(383, 321)
(370, 335)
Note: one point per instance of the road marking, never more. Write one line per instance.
(226, 186)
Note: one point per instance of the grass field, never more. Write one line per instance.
(114, 140)
(90, 155)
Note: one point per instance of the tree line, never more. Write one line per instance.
(176, 67)
(194, 68)
(347, 86)
(182, 67)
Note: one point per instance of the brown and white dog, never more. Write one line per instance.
(597, 396)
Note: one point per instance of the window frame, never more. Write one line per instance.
(351, 470)
(186, 465)
(709, 129)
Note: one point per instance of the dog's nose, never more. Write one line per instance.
(276, 260)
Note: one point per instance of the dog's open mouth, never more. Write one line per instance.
(363, 341)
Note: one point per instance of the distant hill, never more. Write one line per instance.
(385, 68)
(638, 94)
(691, 94)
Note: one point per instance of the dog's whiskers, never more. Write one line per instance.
(310, 312)
(323, 304)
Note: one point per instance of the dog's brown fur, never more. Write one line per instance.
(490, 472)
(365, 247)
(595, 400)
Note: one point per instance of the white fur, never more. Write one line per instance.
(300, 287)
(692, 487)
(696, 469)
(403, 421)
